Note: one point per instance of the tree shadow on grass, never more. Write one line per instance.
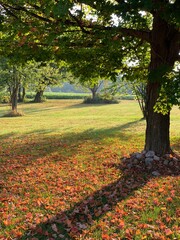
(71, 223)
(86, 105)
(26, 149)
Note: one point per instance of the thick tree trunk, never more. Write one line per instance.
(38, 97)
(164, 51)
(157, 130)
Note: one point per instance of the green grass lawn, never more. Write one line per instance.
(60, 176)
(59, 95)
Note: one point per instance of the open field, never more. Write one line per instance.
(63, 95)
(59, 95)
(61, 178)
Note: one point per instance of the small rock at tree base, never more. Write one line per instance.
(171, 163)
(156, 173)
(148, 160)
(150, 154)
(156, 158)
(139, 155)
(166, 162)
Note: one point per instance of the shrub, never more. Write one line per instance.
(59, 95)
(100, 100)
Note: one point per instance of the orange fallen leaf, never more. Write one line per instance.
(168, 232)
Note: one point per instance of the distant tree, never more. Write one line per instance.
(43, 74)
(93, 85)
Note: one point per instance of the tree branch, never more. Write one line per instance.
(79, 22)
(141, 34)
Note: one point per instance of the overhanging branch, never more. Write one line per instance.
(86, 27)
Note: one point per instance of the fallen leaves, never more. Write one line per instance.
(82, 191)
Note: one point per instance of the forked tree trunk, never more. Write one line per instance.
(38, 97)
(164, 51)
(93, 93)
(94, 90)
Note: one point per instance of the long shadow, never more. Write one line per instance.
(24, 150)
(6, 136)
(43, 142)
(71, 223)
(83, 105)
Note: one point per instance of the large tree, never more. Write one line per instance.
(43, 75)
(106, 36)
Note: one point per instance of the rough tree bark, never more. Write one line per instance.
(164, 51)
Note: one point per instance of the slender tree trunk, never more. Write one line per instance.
(21, 94)
(140, 93)
(14, 92)
(93, 94)
(38, 97)
(14, 99)
(94, 90)
(164, 51)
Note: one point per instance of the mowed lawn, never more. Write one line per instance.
(61, 174)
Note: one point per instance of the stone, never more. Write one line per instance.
(139, 155)
(129, 165)
(150, 154)
(156, 158)
(134, 154)
(156, 173)
(166, 162)
(171, 164)
(148, 160)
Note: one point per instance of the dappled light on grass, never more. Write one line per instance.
(57, 183)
